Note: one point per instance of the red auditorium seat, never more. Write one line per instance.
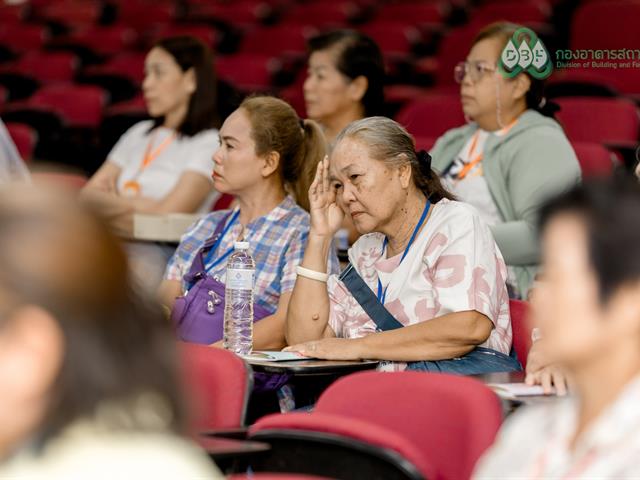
(248, 71)
(521, 329)
(431, 115)
(453, 48)
(77, 105)
(144, 14)
(393, 37)
(129, 65)
(24, 137)
(416, 14)
(425, 143)
(21, 38)
(109, 40)
(322, 14)
(437, 428)
(243, 13)
(589, 31)
(294, 96)
(208, 35)
(619, 31)
(45, 67)
(602, 120)
(521, 12)
(278, 40)
(218, 384)
(12, 13)
(72, 13)
(595, 160)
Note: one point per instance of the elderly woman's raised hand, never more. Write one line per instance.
(326, 214)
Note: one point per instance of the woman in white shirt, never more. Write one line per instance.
(589, 315)
(429, 264)
(164, 165)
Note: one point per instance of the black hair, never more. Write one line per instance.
(610, 209)
(357, 55)
(191, 53)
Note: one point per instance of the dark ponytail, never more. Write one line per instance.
(426, 179)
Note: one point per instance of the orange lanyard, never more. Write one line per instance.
(469, 166)
(472, 163)
(151, 155)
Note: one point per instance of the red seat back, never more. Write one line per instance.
(218, 384)
(451, 419)
(520, 12)
(78, 105)
(47, 67)
(521, 329)
(275, 41)
(413, 13)
(595, 160)
(23, 38)
(248, 71)
(432, 115)
(24, 137)
(591, 119)
(393, 37)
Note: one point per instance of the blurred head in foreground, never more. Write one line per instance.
(75, 342)
(588, 307)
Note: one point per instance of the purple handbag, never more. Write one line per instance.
(198, 316)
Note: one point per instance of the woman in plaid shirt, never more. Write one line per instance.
(267, 158)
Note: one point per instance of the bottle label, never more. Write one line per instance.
(240, 279)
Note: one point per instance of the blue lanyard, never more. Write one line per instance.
(215, 246)
(382, 294)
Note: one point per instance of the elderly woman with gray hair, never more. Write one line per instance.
(425, 288)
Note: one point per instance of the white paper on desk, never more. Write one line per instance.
(162, 228)
(274, 356)
(513, 390)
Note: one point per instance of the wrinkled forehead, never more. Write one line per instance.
(347, 154)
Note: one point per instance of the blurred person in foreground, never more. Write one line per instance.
(86, 368)
(589, 315)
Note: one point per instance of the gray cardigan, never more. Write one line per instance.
(531, 163)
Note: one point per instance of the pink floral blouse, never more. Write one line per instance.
(454, 265)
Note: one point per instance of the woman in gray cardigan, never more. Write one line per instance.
(510, 158)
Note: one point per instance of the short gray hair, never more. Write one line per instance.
(389, 142)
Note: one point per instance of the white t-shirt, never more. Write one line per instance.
(536, 442)
(183, 154)
(454, 265)
(473, 187)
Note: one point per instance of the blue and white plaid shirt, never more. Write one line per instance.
(277, 241)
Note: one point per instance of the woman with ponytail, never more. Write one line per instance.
(426, 281)
(267, 159)
(510, 158)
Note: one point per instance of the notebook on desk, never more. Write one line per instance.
(515, 390)
(268, 356)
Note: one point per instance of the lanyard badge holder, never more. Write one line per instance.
(382, 293)
(131, 188)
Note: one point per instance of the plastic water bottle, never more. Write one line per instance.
(238, 310)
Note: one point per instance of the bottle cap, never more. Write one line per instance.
(241, 246)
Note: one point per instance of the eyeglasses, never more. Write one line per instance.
(475, 70)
